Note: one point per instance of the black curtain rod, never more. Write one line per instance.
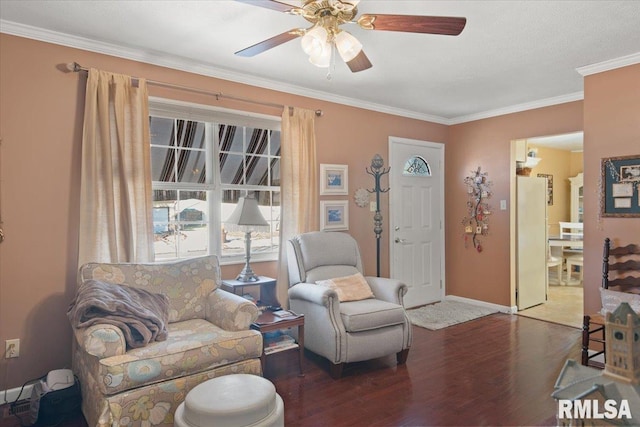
(76, 68)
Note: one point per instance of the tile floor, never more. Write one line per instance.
(564, 306)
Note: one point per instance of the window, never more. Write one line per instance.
(416, 166)
(203, 159)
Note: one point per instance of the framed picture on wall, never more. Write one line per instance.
(630, 173)
(334, 180)
(334, 215)
(620, 179)
(622, 190)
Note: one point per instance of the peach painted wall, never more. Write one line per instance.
(41, 111)
(577, 163)
(611, 129)
(486, 143)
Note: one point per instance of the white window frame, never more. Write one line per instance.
(211, 116)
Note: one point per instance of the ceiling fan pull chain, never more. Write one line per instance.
(332, 62)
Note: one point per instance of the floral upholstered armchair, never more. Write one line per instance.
(209, 336)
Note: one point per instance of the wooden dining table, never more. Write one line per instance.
(571, 242)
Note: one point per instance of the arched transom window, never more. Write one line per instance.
(416, 166)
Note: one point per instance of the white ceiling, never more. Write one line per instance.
(567, 142)
(512, 55)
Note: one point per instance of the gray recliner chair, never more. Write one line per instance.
(351, 331)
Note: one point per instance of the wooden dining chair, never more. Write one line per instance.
(555, 262)
(573, 256)
(620, 283)
(571, 229)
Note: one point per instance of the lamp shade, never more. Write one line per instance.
(246, 217)
(247, 214)
(314, 41)
(323, 58)
(348, 46)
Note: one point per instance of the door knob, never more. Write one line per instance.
(398, 240)
(396, 228)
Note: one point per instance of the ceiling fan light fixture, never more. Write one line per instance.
(348, 46)
(314, 42)
(322, 58)
(325, 35)
(347, 5)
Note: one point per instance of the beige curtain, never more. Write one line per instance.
(298, 185)
(116, 221)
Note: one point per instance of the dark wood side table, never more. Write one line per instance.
(268, 322)
(267, 289)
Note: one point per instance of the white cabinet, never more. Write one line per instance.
(577, 199)
(521, 150)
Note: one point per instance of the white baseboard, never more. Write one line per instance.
(500, 308)
(12, 394)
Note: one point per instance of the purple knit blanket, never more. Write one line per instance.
(141, 315)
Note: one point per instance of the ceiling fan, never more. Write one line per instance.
(319, 40)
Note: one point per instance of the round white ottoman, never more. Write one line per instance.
(237, 400)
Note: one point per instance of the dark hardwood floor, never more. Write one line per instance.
(498, 370)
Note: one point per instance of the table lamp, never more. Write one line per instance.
(247, 217)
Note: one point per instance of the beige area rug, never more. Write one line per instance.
(446, 313)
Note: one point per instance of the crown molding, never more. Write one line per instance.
(612, 64)
(546, 102)
(182, 64)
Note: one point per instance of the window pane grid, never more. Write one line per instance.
(256, 166)
(248, 160)
(178, 150)
(181, 223)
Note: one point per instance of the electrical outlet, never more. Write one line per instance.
(503, 205)
(372, 206)
(12, 348)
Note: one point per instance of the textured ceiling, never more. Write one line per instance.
(567, 142)
(511, 55)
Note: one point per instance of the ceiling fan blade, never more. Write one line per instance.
(359, 63)
(269, 43)
(270, 4)
(445, 25)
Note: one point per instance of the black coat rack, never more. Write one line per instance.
(377, 170)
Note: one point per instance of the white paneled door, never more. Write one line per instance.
(416, 206)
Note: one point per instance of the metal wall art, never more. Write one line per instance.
(361, 197)
(476, 223)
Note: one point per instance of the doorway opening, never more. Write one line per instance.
(559, 161)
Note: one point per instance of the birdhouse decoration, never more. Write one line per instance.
(476, 223)
(617, 387)
(622, 342)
